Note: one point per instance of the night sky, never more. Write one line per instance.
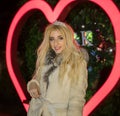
(8, 9)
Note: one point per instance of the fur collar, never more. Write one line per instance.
(53, 60)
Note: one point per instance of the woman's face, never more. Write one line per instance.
(57, 42)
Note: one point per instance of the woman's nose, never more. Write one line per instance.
(56, 42)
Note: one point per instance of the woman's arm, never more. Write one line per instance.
(78, 92)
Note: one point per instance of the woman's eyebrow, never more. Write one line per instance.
(51, 37)
(57, 36)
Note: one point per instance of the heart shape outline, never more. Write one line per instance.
(53, 14)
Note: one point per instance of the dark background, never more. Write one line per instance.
(10, 104)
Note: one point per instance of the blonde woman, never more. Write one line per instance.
(59, 84)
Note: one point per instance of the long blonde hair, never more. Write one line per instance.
(71, 55)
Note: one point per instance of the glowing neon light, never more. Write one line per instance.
(51, 15)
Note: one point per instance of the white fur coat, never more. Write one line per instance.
(59, 99)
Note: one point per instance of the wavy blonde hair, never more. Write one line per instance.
(70, 55)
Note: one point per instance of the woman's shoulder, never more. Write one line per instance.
(80, 58)
(82, 54)
(85, 54)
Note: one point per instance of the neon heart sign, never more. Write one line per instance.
(60, 11)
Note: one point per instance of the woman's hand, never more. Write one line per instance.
(34, 90)
(34, 93)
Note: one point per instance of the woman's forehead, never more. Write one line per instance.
(57, 31)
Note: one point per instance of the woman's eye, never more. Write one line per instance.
(61, 38)
(51, 38)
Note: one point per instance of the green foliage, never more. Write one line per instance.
(31, 46)
(30, 39)
(93, 18)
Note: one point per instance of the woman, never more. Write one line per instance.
(59, 84)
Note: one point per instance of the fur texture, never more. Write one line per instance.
(53, 60)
